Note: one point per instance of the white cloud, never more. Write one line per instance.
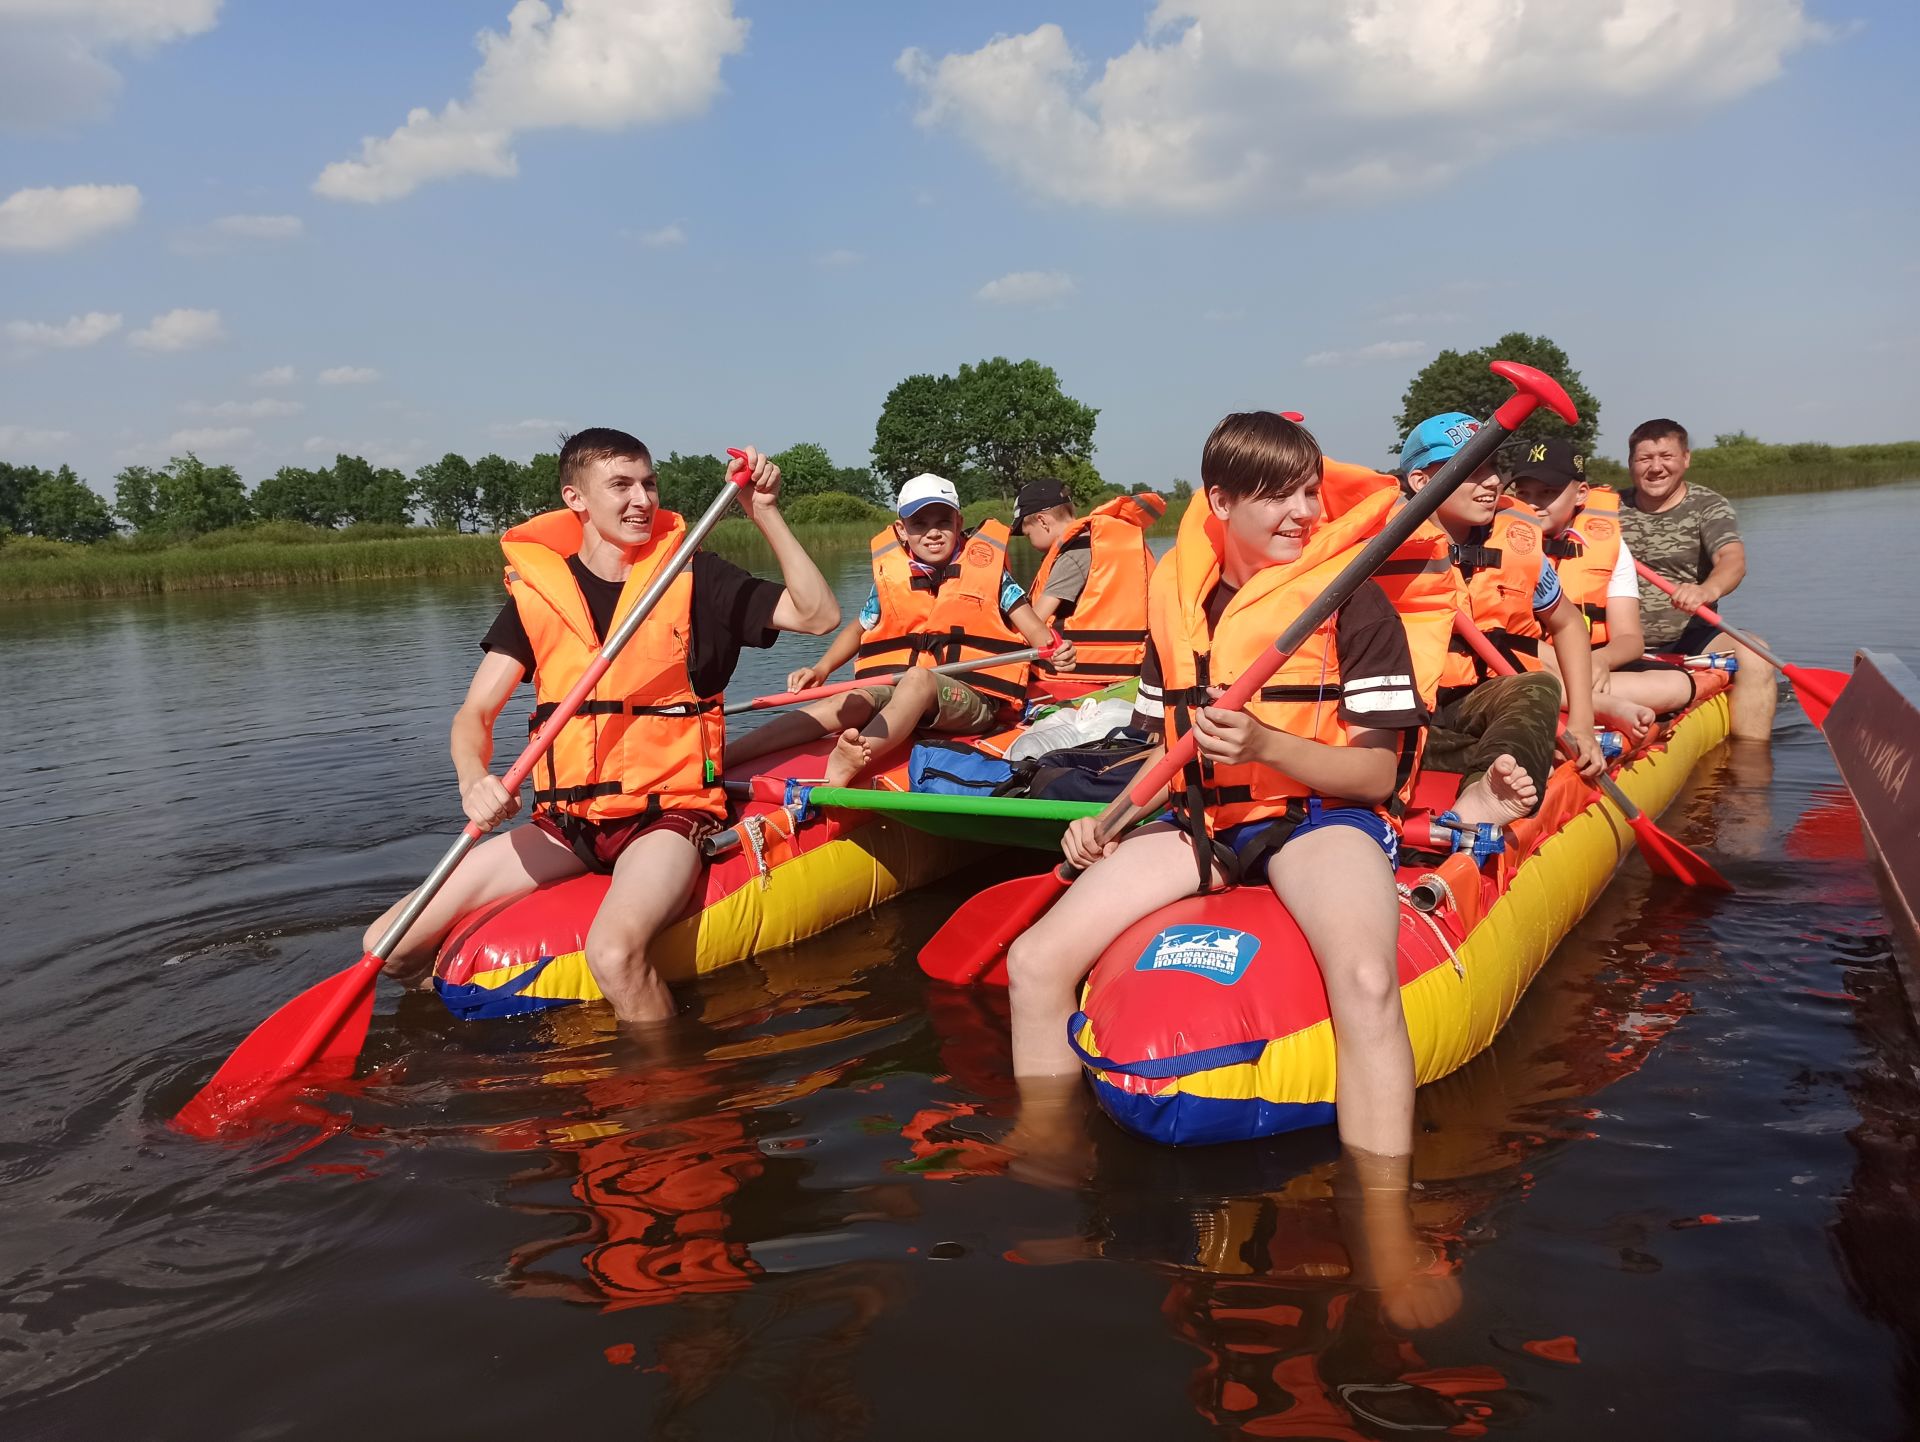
(597, 65)
(273, 376)
(1226, 104)
(666, 237)
(838, 259)
(1380, 350)
(54, 66)
(528, 427)
(349, 376)
(27, 438)
(1401, 319)
(1027, 287)
(208, 438)
(182, 329)
(402, 455)
(265, 408)
(261, 227)
(50, 218)
(75, 333)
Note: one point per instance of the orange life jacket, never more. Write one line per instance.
(643, 742)
(957, 621)
(1501, 574)
(1108, 625)
(1303, 696)
(1586, 555)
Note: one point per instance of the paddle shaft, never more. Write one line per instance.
(834, 688)
(543, 738)
(1406, 520)
(1713, 618)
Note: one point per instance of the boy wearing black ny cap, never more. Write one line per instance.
(1584, 540)
(1092, 582)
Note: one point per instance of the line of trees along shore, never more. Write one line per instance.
(989, 427)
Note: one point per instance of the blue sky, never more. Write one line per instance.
(1709, 203)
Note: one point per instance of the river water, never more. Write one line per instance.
(1677, 1193)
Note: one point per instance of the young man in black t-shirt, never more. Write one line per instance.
(651, 851)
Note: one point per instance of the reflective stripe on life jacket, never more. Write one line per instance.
(959, 620)
(1303, 696)
(1587, 563)
(1108, 624)
(1501, 574)
(643, 742)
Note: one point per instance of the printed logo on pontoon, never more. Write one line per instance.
(1217, 953)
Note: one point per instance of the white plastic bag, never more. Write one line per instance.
(1072, 726)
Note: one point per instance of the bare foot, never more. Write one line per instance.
(849, 757)
(1504, 793)
(1623, 715)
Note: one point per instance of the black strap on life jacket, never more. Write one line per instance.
(945, 647)
(1565, 548)
(566, 795)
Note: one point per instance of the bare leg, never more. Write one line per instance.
(510, 864)
(797, 728)
(1659, 691)
(1503, 792)
(1045, 965)
(651, 883)
(1338, 886)
(915, 696)
(1754, 695)
(1370, 1194)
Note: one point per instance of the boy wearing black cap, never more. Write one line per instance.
(1092, 582)
(1584, 541)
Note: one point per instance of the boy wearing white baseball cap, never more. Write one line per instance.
(940, 595)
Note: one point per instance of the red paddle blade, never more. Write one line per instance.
(1668, 857)
(314, 1037)
(1817, 690)
(971, 948)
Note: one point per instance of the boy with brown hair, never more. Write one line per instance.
(631, 785)
(1293, 792)
(940, 595)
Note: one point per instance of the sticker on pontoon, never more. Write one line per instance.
(1217, 953)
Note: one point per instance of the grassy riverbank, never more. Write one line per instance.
(282, 554)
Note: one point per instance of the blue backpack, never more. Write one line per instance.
(949, 768)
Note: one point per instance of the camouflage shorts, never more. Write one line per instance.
(962, 711)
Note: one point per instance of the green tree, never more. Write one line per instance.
(1078, 475)
(688, 484)
(986, 428)
(806, 470)
(1182, 491)
(1460, 381)
(62, 507)
(371, 496)
(540, 485)
(294, 493)
(919, 430)
(15, 482)
(497, 480)
(136, 498)
(192, 497)
(446, 488)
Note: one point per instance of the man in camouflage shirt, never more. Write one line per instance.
(1688, 534)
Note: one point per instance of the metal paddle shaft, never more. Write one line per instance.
(834, 688)
(328, 1021)
(969, 945)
